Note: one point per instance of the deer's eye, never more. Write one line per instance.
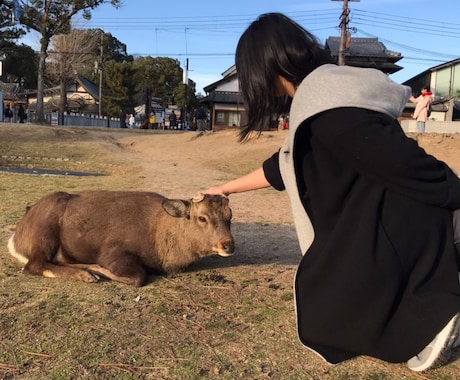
(202, 219)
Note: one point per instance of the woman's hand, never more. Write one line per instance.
(215, 190)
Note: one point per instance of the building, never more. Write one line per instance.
(82, 97)
(365, 52)
(224, 102)
(444, 82)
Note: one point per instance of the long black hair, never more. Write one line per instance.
(273, 46)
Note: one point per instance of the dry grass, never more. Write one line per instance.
(222, 319)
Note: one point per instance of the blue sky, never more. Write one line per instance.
(426, 33)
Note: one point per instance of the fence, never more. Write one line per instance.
(55, 118)
(73, 120)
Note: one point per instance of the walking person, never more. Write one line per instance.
(131, 121)
(372, 210)
(8, 114)
(200, 119)
(422, 105)
(22, 115)
(172, 120)
(123, 119)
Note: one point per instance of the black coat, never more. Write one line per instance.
(380, 277)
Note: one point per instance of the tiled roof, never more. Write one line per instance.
(363, 47)
(224, 97)
(91, 87)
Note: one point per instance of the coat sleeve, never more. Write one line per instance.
(272, 172)
(376, 147)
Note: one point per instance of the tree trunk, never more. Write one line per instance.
(63, 96)
(39, 112)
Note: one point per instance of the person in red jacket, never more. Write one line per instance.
(422, 107)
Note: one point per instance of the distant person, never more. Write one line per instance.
(200, 119)
(144, 124)
(172, 120)
(8, 114)
(131, 121)
(286, 122)
(153, 120)
(281, 123)
(22, 115)
(422, 105)
(122, 118)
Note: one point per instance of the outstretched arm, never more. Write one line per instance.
(252, 181)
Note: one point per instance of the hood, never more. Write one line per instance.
(331, 86)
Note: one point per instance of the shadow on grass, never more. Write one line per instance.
(255, 244)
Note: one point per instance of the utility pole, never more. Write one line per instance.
(343, 30)
(185, 81)
(101, 57)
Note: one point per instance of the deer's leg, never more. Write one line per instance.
(47, 269)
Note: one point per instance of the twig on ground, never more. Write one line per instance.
(38, 354)
(132, 368)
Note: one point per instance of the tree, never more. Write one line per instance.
(10, 31)
(163, 76)
(118, 87)
(115, 50)
(49, 18)
(21, 63)
(69, 54)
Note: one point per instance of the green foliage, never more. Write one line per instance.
(125, 83)
(118, 87)
(9, 31)
(15, 58)
(114, 49)
(21, 63)
(163, 76)
(51, 17)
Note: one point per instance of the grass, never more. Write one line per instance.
(214, 321)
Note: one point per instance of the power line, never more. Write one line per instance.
(417, 50)
(217, 22)
(405, 20)
(404, 28)
(315, 21)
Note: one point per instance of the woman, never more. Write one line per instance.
(372, 210)
(422, 104)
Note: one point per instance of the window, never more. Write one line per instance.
(443, 81)
(234, 119)
(228, 118)
(456, 81)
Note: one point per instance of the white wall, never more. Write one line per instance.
(432, 126)
(231, 86)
